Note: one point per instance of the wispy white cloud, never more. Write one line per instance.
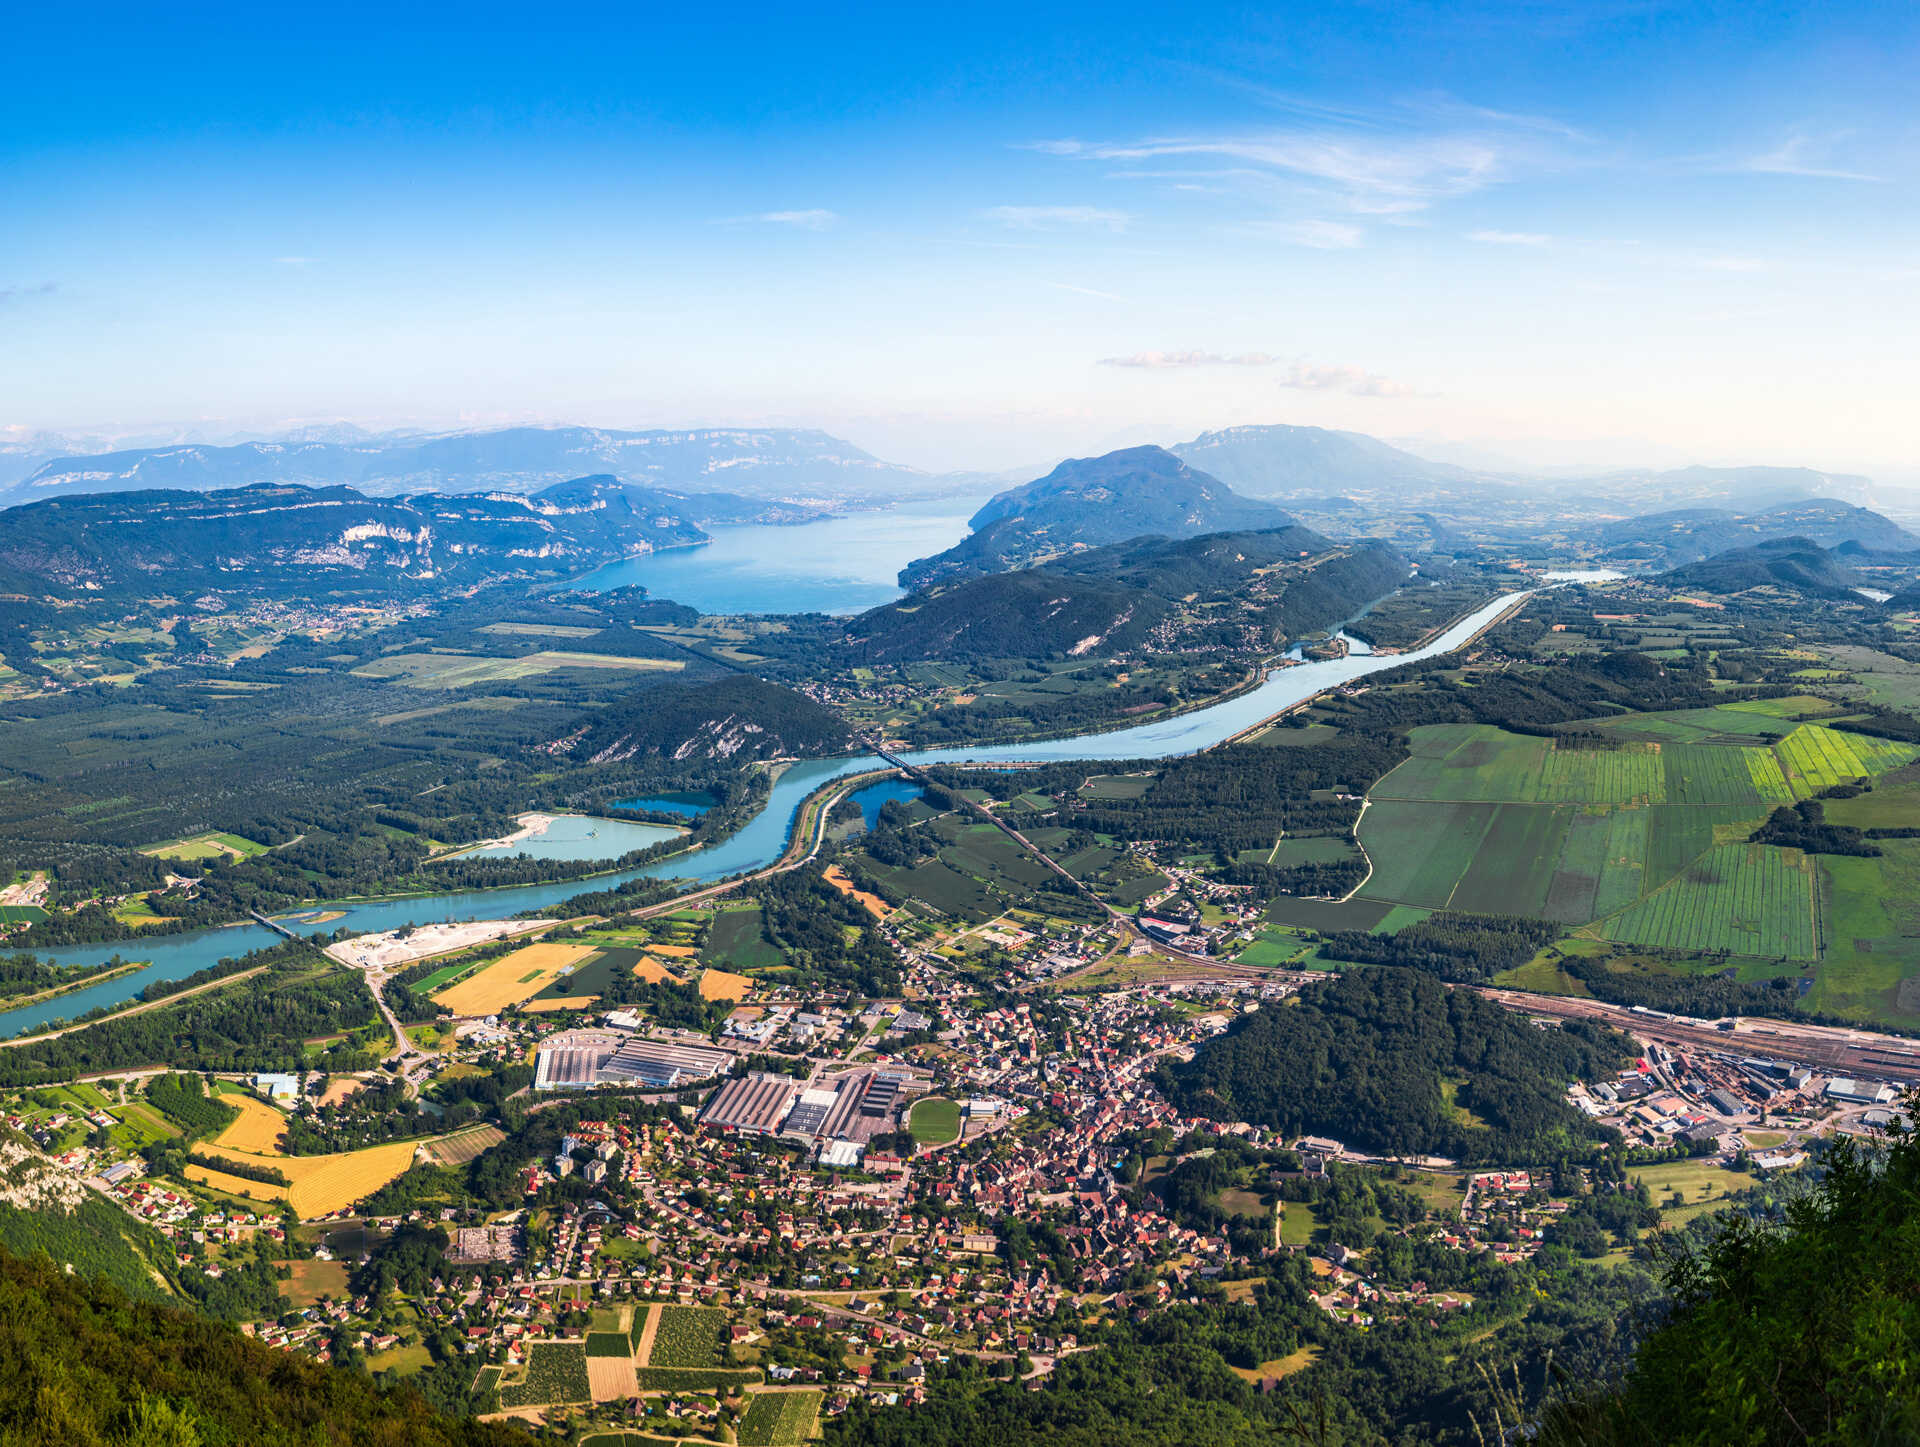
(1319, 233)
(1056, 218)
(1371, 172)
(1301, 376)
(293, 261)
(1157, 361)
(811, 220)
(20, 293)
(1510, 238)
(1084, 291)
(1744, 264)
(1791, 158)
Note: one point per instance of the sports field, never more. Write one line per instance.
(511, 979)
(935, 1121)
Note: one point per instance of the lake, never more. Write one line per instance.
(575, 836)
(885, 791)
(844, 564)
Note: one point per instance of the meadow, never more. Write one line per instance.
(737, 940)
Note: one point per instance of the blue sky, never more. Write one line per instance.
(978, 236)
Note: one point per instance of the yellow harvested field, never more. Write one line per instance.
(339, 1088)
(652, 971)
(235, 1185)
(612, 1379)
(520, 976)
(725, 985)
(321, 1184)
(257, 1131)
(675, 952)
(875, 905)
(560, 1002)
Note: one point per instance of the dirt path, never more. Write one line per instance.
(643, 1349)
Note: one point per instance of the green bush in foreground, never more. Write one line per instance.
(1808, 1332)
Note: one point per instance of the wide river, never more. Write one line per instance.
(755, 846)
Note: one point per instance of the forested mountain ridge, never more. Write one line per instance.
(88, 1367)
(1799, 564)
(1691, 534)
(1279, 583)
(736, 718)
(1089, 501)
(271, 538)
(763, 462)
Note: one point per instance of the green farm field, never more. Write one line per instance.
(777, 1419)
(737, 940)
(1747, 899)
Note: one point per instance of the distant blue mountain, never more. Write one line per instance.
(756, 462)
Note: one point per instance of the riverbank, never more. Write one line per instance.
(139, 1009)
(98, 977)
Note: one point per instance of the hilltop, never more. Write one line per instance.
(1278, 460)
(1281, 582)
(1089, 501)
(738, 718)
(759, 462)
(1799, 564)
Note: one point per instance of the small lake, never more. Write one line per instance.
(1584, 575)
(876, 796)
(576, 836)
(843, 564)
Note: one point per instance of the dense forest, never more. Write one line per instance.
(1468, 948)
(88, 1366)
(1391, 1061)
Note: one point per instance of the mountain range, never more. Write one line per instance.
(1086, 502)
(1279, 461)
(1668, 539)
(756, 462)
(277, 535)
